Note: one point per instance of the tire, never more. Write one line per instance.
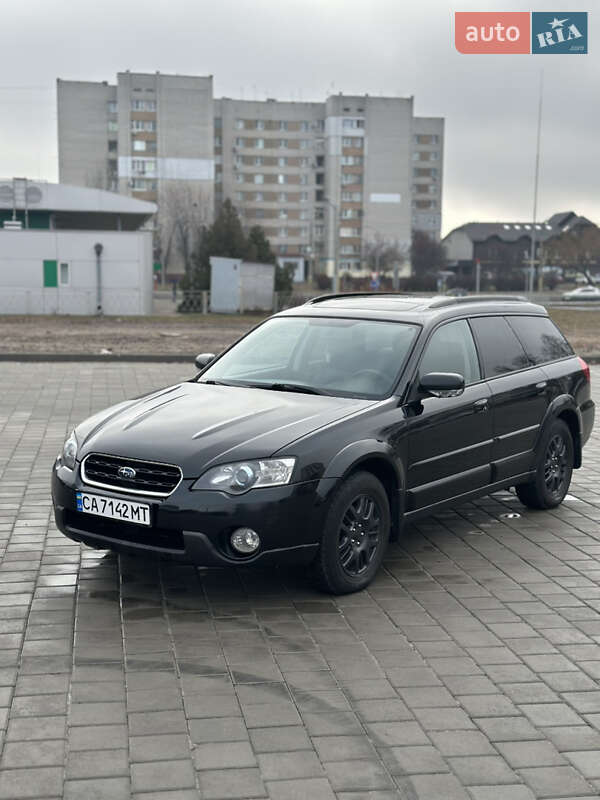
(553, 470)
(345, 564)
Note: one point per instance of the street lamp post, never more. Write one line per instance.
(336, 234)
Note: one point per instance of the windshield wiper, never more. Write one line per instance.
(213, 382)
(291, 387)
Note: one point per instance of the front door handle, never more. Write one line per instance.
(480, 405)
(541, 387)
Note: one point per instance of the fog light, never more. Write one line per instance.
(245, 540)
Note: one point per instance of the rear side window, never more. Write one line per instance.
(499, 348)
(541, 339)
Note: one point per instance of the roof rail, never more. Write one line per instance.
(478, 298)
(322, 297)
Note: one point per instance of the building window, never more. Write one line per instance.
(303, 232)
(239, 142)
(260, 124)
(218, 122)
(218, 176)
(304, 214)
(435, 156)
(259, 197)
(112, 126)
(259, 143)
(353, 123)
(239, 196)
(282, 197)
(349, 178)
(319, 196)
(112, 145)
(304, 162)
(320, 124)
(283, 143)
(283, 232)
(112, 106)
(304, 179)
(320, 161)
(427, 138)
(349, 232)
(282, 161)
(239, 124)
(304, 126)
(304, 197)
(304, 144)
(283, 126)
(282, 249)
(282, 178)
(143, 105)
(319, 212)
(239, 178)
(352, 197)
(320, 178)
(283, 213)
(218, 141)
(259, 213)
(238, 161)
(319, 231)
(352, 161)
(141, 125)
(259, 178)
(64, 274)
(258, 161)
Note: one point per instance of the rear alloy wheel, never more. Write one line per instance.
(356, 534)
(554, 468)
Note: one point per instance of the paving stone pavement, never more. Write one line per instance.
(469, 671)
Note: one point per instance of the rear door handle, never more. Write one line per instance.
(480, 405)
(541, 387)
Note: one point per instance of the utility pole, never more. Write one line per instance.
(535, 186)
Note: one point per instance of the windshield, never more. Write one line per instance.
(348, 357)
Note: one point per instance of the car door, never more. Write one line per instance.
(449, 438)
(519, 396)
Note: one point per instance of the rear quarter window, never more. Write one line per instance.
(541, 339)
(499, 348)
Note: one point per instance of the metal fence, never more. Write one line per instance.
(198, 302)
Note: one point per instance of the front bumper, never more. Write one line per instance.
(195, 526)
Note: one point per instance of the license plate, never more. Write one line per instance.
(110, 507)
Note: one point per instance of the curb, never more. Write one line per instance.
(176, 358)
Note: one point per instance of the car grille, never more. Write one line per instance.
(149, 477)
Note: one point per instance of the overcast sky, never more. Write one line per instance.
(306, 49)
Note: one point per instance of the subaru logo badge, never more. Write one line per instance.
(128, 473)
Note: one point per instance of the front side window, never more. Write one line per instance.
(541, 338)
(347, 357)
(451, 349)
(500, 350)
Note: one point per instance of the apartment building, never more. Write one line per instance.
(323, 179)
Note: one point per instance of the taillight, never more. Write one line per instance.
(585, 367)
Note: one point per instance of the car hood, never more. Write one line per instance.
(196, 425)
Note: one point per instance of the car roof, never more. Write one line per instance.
(412, 308)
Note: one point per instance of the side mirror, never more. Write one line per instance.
(203, 360)
(443, 384)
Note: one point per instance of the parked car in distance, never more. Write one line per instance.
(583, 293)
(324, 429)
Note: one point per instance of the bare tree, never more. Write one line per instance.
(577, 249)
(183, 212)
(381, 254)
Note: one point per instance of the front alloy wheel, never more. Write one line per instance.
(359, 534)
(355, 536)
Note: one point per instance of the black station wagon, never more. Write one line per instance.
(316, 435)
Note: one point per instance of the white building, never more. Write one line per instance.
(73, 250)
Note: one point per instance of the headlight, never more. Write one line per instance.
(69, 452)
(239, 478)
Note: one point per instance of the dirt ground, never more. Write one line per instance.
(194, 333)
(173, 334)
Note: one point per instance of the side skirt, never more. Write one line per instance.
(462, 498)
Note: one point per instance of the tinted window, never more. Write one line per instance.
(451, 349)
(541, 338)
(499, 348)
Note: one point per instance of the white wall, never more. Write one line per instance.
(126, 272)
(459, 246)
